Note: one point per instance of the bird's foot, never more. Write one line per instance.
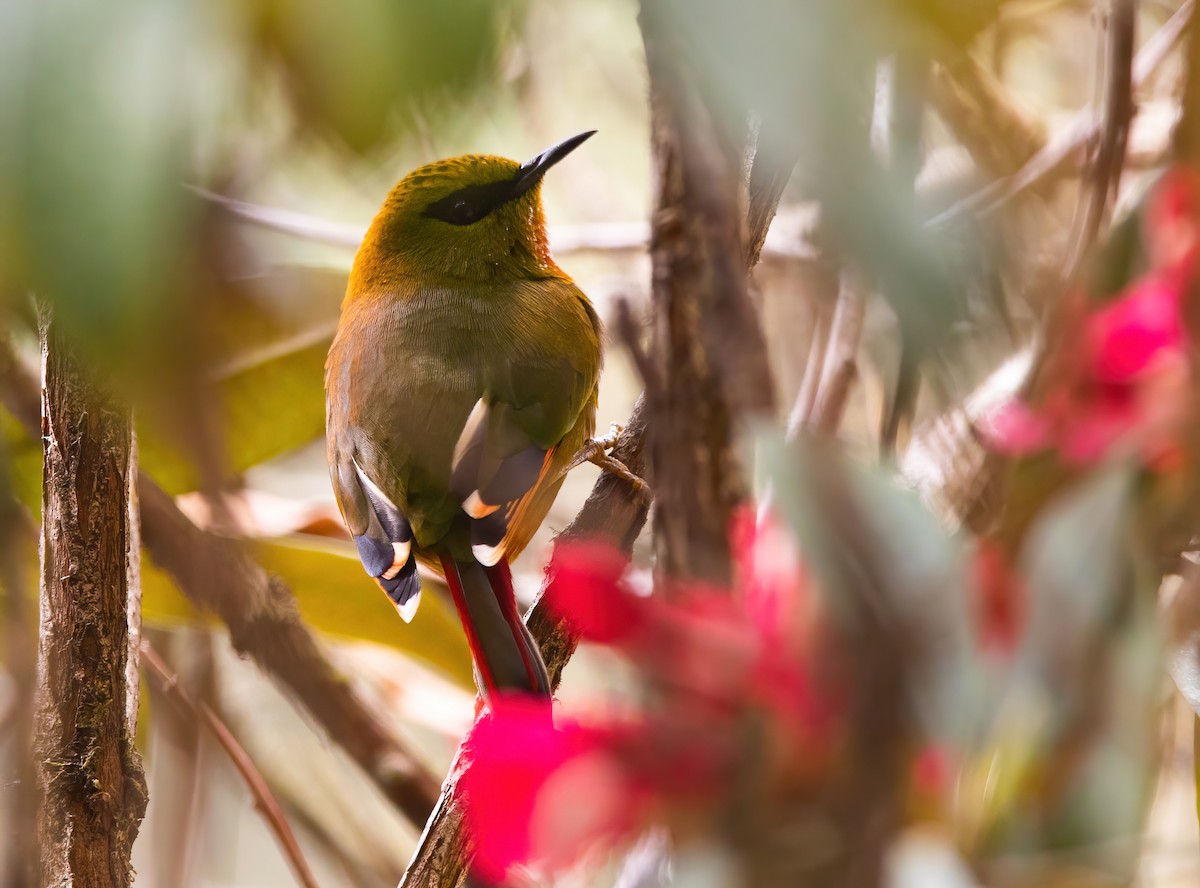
(596, 452)
(595, 449)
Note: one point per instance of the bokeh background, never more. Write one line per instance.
(185, 183)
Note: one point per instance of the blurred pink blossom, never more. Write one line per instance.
(1120, 385)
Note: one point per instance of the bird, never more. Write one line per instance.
(461, 381)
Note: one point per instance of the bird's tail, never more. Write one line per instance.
(506, 656)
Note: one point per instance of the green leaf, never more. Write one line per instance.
(337, 598)
(360, 67)
(1079, 564)
(1072, 744)
(270, 375)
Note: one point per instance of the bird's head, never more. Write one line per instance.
(472, 218)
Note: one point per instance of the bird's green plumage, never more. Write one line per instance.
(438, 316)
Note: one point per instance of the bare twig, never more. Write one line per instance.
(1082, 130)
(774, 161)
(628, 334)
(841, 366)
(818, 347)
(264, 799)
(218, 575)
(977, 109)
(601, 237)
(1186, 137)
(1118, 113)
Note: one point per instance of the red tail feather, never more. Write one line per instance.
(500, 578)
(460, 603)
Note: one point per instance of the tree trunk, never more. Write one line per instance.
(90, 774)
(709, 350)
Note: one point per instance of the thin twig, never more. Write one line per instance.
(774, 160)
(979, 112)
(1114, 139)
(810, 382)
(1185, 140)
(600, 237)
(1083, 128)
(841, 367)
(264, 799)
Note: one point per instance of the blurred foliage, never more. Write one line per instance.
(217, 335)
(361, 69)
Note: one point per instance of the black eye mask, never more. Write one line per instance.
(468, 205)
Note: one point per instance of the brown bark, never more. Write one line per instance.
(217, 575)
(90, 774)
(708, 346)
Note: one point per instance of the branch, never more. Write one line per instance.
(264, 799)
(770, 171)
(841, 367)
(1114, 139)
(217, 575)
(599, 237)
(977, 109)
(1186, 138)
(1083, 129)
(708, 344)
(90, 774)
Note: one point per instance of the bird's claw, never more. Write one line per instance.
(595, 451)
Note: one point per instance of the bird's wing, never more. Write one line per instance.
(545, 391)
(496, 468)
(381, 533)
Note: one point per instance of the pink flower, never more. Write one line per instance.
(536, 793)
(1120, 381)
(1131, 364)
(1128, 337)
(1172, 230)
(1000, 600)
(586, 588)
(1015, 429)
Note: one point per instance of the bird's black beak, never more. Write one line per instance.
(531, 172)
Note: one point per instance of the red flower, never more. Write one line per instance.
(1120, 383)
(534, 792)
(544, 794)
(1126, 390)
(586, 589)
(1000, 601)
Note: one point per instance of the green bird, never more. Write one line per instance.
(461, 382)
